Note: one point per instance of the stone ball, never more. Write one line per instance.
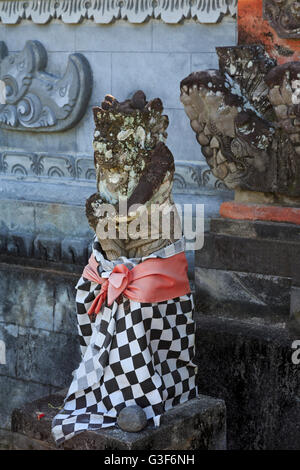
(132, 419)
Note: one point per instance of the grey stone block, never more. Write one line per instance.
(9, 335)
(65, 319)
(55, 37)
(49, 192)
(19, 244)
(257, 255)
(157, 73)
(193, 37)
(86, 127)
(255, 229)
(204, 61)
(47, 357)
(198, 424)
(6, 440)
(61, 220)
(3, 138)
(75, 251)
(3, 241)
(15, 441)
(46, 248)
(17, 216)
(101, 67)
(118, 37)
(14, 393)
(242, 295)
(247, 269)
(182, 149)
(295, 308)
(27, 297)
(46, 142)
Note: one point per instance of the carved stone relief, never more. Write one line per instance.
(106, 11)
(36, 100)
(189, 177)
(283, 16)
(247, 120)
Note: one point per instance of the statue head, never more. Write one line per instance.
(125, 134)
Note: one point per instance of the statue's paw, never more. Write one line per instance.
(160, 164)
(92, 206)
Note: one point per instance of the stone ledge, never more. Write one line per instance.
(237, 210)
(250, 366)
(199, 424)
(275, 257)
(60, 254)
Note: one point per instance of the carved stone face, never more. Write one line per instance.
(247, 120)
(283, 16)
(232, 142)
(133, 163)
(122, 145)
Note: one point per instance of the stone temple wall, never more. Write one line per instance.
(123, 57)
(45, 176)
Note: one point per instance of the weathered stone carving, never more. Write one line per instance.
(132, 164)
(39, 101)
(247, 120)
(189, 177)
(106, 11)
(283, 16)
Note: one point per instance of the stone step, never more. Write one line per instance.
(249, 269)
(255, 369)
(199, 424)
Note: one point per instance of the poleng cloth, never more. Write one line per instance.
(133, 352)
(153, 280)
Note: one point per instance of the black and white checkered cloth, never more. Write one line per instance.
(132, 354)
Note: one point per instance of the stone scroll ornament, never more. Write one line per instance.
(284, 17)
(246, 117)
(35, 100)
(134, 304)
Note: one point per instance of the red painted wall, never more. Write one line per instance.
(253, 29)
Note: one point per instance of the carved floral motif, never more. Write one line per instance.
(189, 177)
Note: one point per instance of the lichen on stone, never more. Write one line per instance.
(132, 162)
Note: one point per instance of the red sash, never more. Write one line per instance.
(153, 280)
